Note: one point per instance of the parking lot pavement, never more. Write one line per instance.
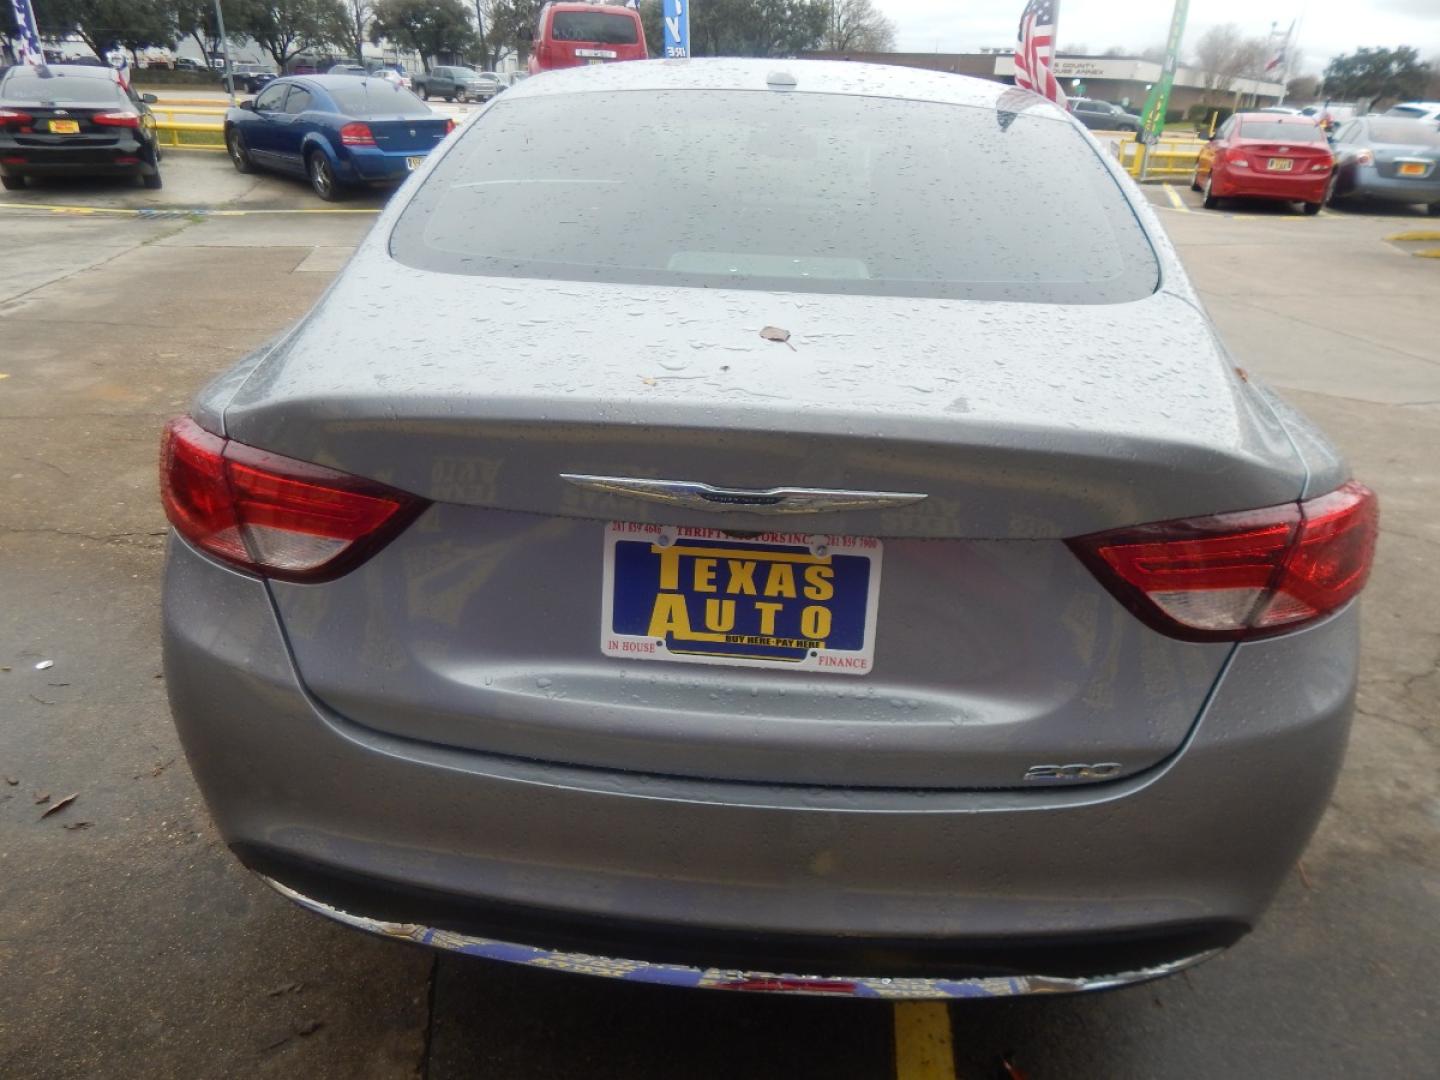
(135, 943)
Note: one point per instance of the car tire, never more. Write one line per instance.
(1433, 209)
(423, 92)
(1313, 208)
(1211, 201)
(322, 177)
(239, 154)
(1195, 180)
(12, 183)
(152, 181)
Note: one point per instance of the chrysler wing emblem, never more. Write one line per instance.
(780, 500)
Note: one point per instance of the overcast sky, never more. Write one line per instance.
(1325, 27)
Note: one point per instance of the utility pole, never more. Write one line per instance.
(224, 50)
(480, 30)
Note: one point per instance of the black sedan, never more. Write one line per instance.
(77, 121)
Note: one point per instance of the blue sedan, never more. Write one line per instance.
(339, 131)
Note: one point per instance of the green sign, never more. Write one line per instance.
(1159, 99)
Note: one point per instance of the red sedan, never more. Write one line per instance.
(1265, 156)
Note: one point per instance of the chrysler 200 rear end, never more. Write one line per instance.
(991, 635)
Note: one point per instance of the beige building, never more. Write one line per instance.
(1123, 80)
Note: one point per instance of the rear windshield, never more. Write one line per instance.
(1407, 132)
(26, 87)
(1278, 131)
(798, 192)
(593, 26)
(377, 97)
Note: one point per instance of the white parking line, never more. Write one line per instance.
(1175, 199)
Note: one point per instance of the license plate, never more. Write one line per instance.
(413, 163)
(597, 54)
(1412, 168)
(1280, 164)
(700, 596)
(65, 127)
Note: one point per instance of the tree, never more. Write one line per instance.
(757, 27)
(196, 19)
(1223, 55)
(430, 27)
(855, 26)
(1372, 74)
(508, 21)
(284, 28)
(356, 17)
(105, 25)
(1304, 87)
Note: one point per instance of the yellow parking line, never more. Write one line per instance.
(922, 1041)
(1175, 199)
(1413, 234)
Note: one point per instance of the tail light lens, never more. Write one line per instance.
(117, 119)
(1365, 157)
(272, 515)
(1244, 575)
(449, 126)
(14, 118)
(1237, 157)
(357, 135)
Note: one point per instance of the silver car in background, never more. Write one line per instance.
(1392, 159)
(824, 549)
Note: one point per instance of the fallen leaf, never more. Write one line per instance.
(775, 333)
(75, 826)
(11, 781)
(57, 807)
(285, 988)
(162, 766)
(42, 798)
(309, 1027)
(41, 700)
(647, 380)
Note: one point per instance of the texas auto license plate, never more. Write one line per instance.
(65, 127)
(413, 163)
(1280, 164)
(1411, 168)
(595, 55)
(701, 596)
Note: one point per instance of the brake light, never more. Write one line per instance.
(14, 118)
(273, 515)
(357, 135)
(1243, 575)
(1365, 157)
(449, 126)
(1237, 157)
(117, 119)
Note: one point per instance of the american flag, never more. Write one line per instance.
(1034, 48)
(27, 45)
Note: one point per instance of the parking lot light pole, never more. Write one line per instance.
(224, 51)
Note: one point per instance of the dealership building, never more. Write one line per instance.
(1123, 80)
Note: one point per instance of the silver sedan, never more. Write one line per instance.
(781, 526)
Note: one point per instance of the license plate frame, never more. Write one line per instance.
(64, 127)
(1280, 164)
(413, 163)
(782, 589)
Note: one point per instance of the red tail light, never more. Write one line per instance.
(1365, 157)
(357, 135)
(1244, 575)
(1237, 156)
(13, 118)
(449, 126)
(117, 119)
(272, 515)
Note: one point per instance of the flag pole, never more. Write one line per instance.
(1158, 102)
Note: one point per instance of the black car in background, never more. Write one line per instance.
(77, 122)
(1102, 116)
(247, 78)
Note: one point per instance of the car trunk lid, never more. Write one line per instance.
(408, 133)
(994, 651)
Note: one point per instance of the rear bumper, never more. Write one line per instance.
(1369, 184)
(1078, 884)
(1237, 183)
(378, 166)
(77, 161)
